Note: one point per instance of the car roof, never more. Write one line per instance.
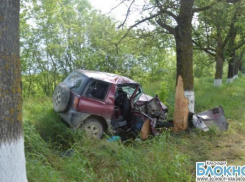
(107, 77)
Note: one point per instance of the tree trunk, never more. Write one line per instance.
(184, 50)
(12, 158)
(237, 63)
(219, 63)
(232, 52)
(240, 67)
(218, 72)
(231, 68)
(219, 59)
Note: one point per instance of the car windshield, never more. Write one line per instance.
(75, 80)
(138, 94)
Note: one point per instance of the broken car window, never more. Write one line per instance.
(130, 89)
(97, 89)
(74, 80)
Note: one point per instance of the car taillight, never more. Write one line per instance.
(75, 103)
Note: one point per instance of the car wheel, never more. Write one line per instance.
(61, 97)
(93, 128)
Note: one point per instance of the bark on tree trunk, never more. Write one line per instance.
(237, 63)
(240, 67)
(184, 50)
(219, 67)
(231, 68)
(219, 72)
(12, 158)
(219, 59)
(184, 59)
(232, 53)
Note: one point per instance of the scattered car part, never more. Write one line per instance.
(198, 123)
(114, 139)
(214, 118)
(145, 130)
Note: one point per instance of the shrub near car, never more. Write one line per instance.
(98, 102)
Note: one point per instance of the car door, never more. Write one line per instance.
(98, 99)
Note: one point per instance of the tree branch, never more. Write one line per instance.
(170, 14)
(165, 26)
(204, 8)
(211, 62)
(166, 11)
(127, 15)
(231, 29)
(207, 50)
(211, 5)
(116, 6)
(136, 24)
(239, 46)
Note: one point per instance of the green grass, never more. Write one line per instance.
(169, 157)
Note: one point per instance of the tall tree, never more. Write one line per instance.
(237, 41)
(216, 35)
(238, 62)
(175, 17)
(232, 54)
(12, 158)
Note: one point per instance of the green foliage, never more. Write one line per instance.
(163, 92)
(204, 65)
(40, 84)
(58, 37)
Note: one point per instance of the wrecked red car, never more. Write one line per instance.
(99, 102)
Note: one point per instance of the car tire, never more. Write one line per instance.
(93, 128)
(61, 97)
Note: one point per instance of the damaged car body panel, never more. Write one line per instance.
(214, 118)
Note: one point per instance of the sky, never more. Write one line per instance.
(105, 7)
(119, 13)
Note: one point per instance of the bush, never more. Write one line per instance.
(162, 92)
